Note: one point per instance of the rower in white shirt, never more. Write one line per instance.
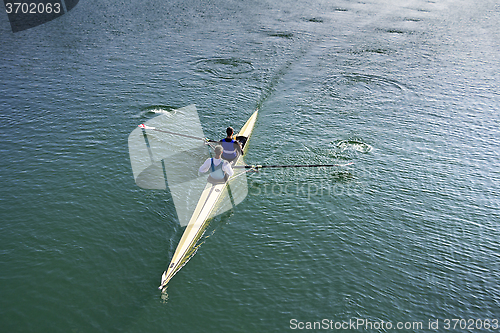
(220, 170)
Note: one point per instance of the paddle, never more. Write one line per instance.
(289, 166)
(145, 127)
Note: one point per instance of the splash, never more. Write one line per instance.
(354, 145)
(150, 110)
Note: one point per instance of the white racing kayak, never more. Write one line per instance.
(210, 198)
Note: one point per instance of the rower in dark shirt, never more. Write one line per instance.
(231, 146)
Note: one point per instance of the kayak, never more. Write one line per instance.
(210, 198)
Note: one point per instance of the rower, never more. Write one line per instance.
(231, 147)
(220, 170)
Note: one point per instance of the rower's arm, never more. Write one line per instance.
(226, 167)
(238, 144)
(205, 166)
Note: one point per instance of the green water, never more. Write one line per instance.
(409, 232)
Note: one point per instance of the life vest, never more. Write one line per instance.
(229, 152)
(216, 171)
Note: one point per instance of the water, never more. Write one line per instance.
(408, 91)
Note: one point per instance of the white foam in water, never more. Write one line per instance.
(354, 145)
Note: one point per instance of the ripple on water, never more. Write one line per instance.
(224, 68)
(313, 19)
(361, 86)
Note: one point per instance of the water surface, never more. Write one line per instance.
(408, 91)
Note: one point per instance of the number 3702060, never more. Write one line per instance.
(32, 8)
